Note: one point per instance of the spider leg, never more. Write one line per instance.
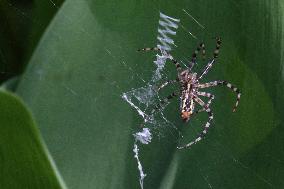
(167, 83)
(215, 56)
(194, 55)
(165, 100)
(206, 127)
(210, 96)
(164, 53)
(175, 62)
(229, 85)
(198, 111)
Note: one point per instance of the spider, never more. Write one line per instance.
(190, 86)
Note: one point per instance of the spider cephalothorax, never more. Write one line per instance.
(189, 88)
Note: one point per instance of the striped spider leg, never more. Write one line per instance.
(207, 125)
(175, 62)
(209, 95)
(224, 83)
(215, 56)
(194, 55)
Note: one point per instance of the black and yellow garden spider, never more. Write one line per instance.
(189, 88)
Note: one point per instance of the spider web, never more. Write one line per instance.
(146, 95)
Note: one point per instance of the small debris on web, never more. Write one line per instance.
(144, 137)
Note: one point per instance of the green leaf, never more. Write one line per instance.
(87, 59)
(25, 163)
